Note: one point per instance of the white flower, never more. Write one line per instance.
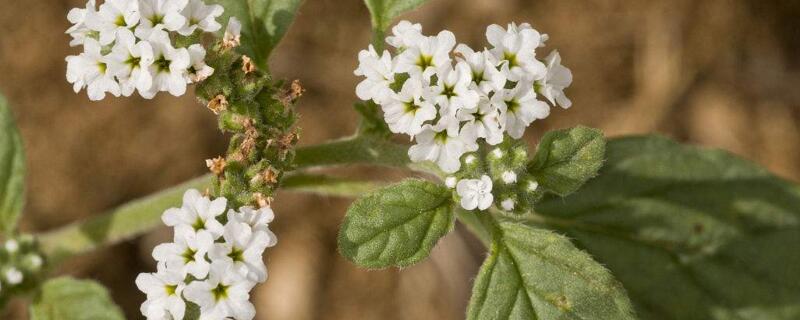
(404, 35)
(130, 62)
(452, 91)
(484, 73)
(225, 293)
(475, 193)
(160, 15)
(557, 79)
(515, 48)
(13, 276)
(163, 290)
(170, 67)
(257, 219)
(508, 204)
(426, 54)
(187, 254)
(233, 33)
(509, 177)
(533, 186)
(243, 248)
(441, 146)
(379, 75)
(519, 107)
(113, 16)
(90, 70)
(201, 16)
(485, 121)
(405, 112)
(198, 69)
(197, 212)
(78, 16)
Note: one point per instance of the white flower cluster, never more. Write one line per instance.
(209, 264)
(127, 46)
(448, 97)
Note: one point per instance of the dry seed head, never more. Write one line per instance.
(296, 90)
(270, 176)
(261, 200)
(247, 65)
(218, 104)
(291, 94)
(231, 40)
(216, 165)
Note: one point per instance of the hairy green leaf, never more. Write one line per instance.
(12, 171)
(692, 233)
(384, 11)
(67, 298)
(264, 23)
(397, 225)
(537, 274)
(567, 158)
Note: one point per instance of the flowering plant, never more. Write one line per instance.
(580, 227)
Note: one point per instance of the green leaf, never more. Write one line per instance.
(12, 171)
(692, 233)
(67, 298)
(384, 11)
(372, 122)
(537, 274)
(264, 23)
(567, 158)
(397, 225)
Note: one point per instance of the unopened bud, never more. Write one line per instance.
(451, 182)
(508, 204)
(533, 186)
(12, 246)
(509, 177)
(13, 276)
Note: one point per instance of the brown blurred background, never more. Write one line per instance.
(720, 73)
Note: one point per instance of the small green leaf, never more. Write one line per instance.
(12, 171)
(67, 298)
(692, 233)
(397, 225)
(264, 23)
(567, 158)
(372, 122)
(537, 274)
(384, 11)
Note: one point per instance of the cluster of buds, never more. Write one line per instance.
(259, 114)
(504, 179)
(21, 265)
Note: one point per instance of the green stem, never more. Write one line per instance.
(140, 216)
(378, 39)
(143, 215)
(353, 150)
(327, 185)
